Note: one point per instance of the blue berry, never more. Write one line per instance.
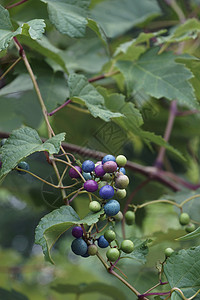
(24, 166)
(111, 208)
(122, 170)
(88, 166)
(79, 246)
(87, 176)
(77, 232)
(106, 192)
(108, 157)
(102, 242)
(86, 254)
(91, 186)
(73, 173)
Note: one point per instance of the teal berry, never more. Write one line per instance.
(168, 252)
(24, 166)
(111, 208)
(127, 246)
(87, 176)
(94, 206)
(113, 254)
(109, 235)
(129, 217)
(79, 246)
(121, 160)
(184, 219)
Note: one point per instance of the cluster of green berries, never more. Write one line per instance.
(85, 246)
(184, 220)
(108, 179)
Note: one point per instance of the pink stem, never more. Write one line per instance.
(58, 108)
(16, 4)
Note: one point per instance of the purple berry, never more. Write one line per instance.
(99, 171)
(110, 166)
(91, 185)
(102, 242)
(73, 173)
(88, 166)
(108, 158)
(106, 192)
(77, 232)
(79, 246)
(111, 208)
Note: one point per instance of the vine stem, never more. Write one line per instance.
(16, 4)
(10, 68)
(159, 201)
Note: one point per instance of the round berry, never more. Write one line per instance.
(24, 166)
(106, 192)
(111, 208)
(110, 166)
(102, 242)
(73, 173)
(107, 177)
(101, 184)
(122, 170)
(121, 194)
(168, 252)
(99, 171)
(108, 157)
(127, 246)
(87, 176)
(98, 163)
(91, 186)
(3, 142)
(190, 227)
(94, 206)
(109, 235)
(86, 254)
(118, 217)
(121, 181)
(77, 232)
(79, 246)
(184, 219)
(113, 254)
(129, 217)
(92, 250)
(121, 160)
(88, 166)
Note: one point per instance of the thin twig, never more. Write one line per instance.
(10, 68)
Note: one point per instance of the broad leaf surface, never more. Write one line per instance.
(118, 16)
(98, 30)
(23, 142)
(11, 295)
(193, 235)
(69, 16)
(159, 76)
(83, 92)
(182, 270)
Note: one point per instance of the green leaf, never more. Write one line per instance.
(94, 287)
(23, 142)
(82, 92)
(5, 22)
(159, 76)
(139, 253)
(20, 84)
(69, 16)
(98, 30)
(118, 16)
(10, 295)
(182, 270)
(193, 235)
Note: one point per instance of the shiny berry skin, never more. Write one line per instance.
(77, 232)
(121, 181)
(118, 217)
(102, 242)
(24, 166)
(129, 217)
(121, 194)
(121, 160)
(110, 166)
(94, 206)
(106, 192)
(122, 170)
(190, 227)
(87, 176)
(91, 186)
(92, 250)
(109, 235)
(99, 171)
(168, 252)
(108, 157)
(184, 219)
(73, 173)
(111, 208)
(88, 166)
(79, 246)
(113, 254)
(127, 246)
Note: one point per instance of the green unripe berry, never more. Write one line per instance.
(130, 217)
(168, 252)
(127, 246)
(113, 254)
(190, 228)
(101, 184)
(184, 219)
(109, 235)
(121, 194)
(94, 206)
(92, 250)
(107, 177)
(118, 217)
(121, 160)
